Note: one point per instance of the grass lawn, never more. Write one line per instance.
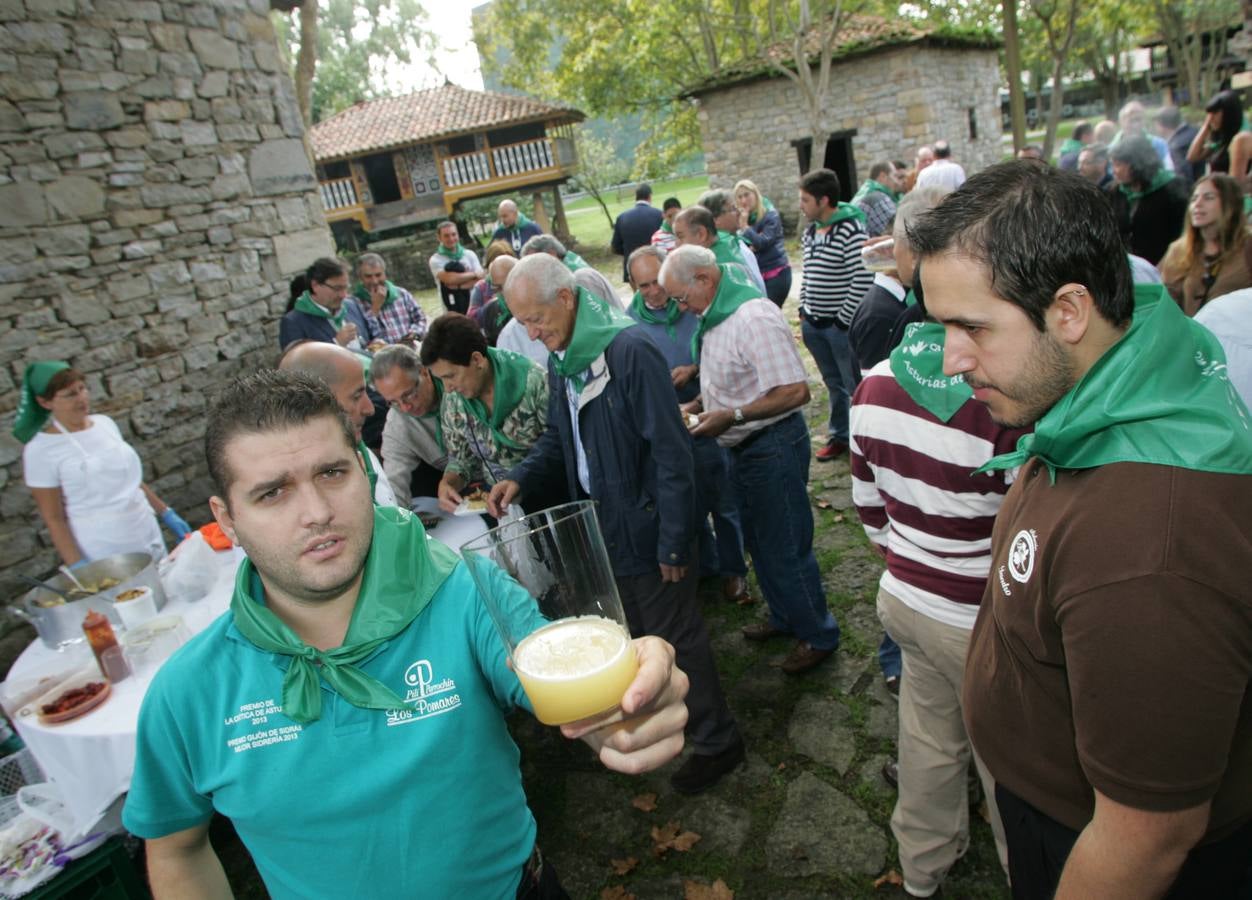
(587, 221)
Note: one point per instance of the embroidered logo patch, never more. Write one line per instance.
(1022, 555)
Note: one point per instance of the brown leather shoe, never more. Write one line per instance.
(803, 657)
(735, 590)
(762, 631)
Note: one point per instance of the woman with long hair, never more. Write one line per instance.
(1221, 141)
(1211, 257)
(762, 227)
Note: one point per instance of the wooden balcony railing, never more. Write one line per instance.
(512, 163)
(339, 193)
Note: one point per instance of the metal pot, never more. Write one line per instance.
(61, 622)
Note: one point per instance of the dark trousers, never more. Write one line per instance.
(671, 610)
(539, 879)
(778, 287)
(1039, 845)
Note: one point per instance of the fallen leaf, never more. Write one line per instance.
(623, 866)
(672, 837)
(718, 890)
(616, 892)
(891, 877)
(823, 504)
(644, 802)
(686, 841)
(663, 834)
(781, 766)
(839, 518)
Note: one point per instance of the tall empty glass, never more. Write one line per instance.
(568, 641)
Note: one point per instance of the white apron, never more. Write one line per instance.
(126, 527)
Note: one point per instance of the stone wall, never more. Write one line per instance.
(157, 197)
(896, 100)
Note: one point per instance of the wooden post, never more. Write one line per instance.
(558, 211)
(541, 214)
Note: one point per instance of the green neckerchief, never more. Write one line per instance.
(869, 187)
(1070, 146)
(516, 227)
(573, 261)
(1159, 180)
(842, 211)
(455, 253)
(402, 573)
(667, 316)
(910, 299)
(728, 248)
(503, 313)
(30, 415)
(1160, 395)
(917, 363)
(733, 290)
(509, 371)
(361, 292)
(666, 226)
(369, 466)
(596, 323)
(306, 304)
(769, 208)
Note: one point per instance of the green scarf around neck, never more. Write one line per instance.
(455, 253)
(516, 227)
(509, 371)
(370, 472)
(769, 208)
(307, 305)
(666, 226)
(728, 248)
(402, 573)
(362, 293)
(667, 316)
(871, 186)
(30, 415)
(573, 261)
(436, 411)
(1160, 395)
(1159, 180)
(842, 211)
(1069, 145)
(733, 290)
(596, 323)
(917, 363)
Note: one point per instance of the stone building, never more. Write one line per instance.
(157, 198)
(894, 86)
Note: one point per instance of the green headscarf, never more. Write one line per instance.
(573, 261)
(30, 415)
(917, 363)
(667, 316)
(1159, 180)
(842, 211)
(733, 290)
(402, 573)
(769, 208)
(361, 292)
(596, 323)
(870, 186)
(306, 304)
(1160, 395)
(509, 371)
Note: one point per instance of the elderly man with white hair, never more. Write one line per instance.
(585, 276)
(752, 389)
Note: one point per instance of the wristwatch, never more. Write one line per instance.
(739, 419)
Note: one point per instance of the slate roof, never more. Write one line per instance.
(859, 35)
(374, 126)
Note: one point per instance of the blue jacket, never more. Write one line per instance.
(300, 326)
(634, 229)
(639, 457)
(766, 238)
(516, 237)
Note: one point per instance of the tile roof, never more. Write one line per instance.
(859, 34)
(376, 125)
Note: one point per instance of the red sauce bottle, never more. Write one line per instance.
(104, 645)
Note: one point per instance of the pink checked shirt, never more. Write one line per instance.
(743, 359)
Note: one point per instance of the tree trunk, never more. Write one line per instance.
(1054, 109)
(1013, 63)
(306, 60)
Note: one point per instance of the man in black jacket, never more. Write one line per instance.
(634, 228)
(615, 435)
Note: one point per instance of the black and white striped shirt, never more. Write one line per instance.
(834, 278)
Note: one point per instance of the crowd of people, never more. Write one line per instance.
(1041, 394)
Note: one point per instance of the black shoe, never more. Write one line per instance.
(893, 685)
(701, 771)
(891, 772)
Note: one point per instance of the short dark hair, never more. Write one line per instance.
(671, 203)
(1169, 116)
(822, 183)
(322, 268)
(1034, 228)
(1081, 130)
(452, 338)
(643, 192)
(60, 381)
(942, 149)
(880, 168)
(1138, 153)
(267, 400)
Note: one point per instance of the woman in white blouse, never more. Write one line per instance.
(86, 480)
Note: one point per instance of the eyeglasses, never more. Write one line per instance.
(682, 301)
(408, 398)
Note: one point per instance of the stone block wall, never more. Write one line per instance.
(156, 198)
(896, 100)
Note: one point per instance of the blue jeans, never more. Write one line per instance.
(778, 287)
(721, 546)
(770, 476)
(833, 354)
(889, 657)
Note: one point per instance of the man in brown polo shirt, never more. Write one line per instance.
(1106, 686)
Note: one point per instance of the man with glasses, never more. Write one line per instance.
(317, 312)
(413, 453)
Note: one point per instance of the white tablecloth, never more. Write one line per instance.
(91, 758)
(451, 530)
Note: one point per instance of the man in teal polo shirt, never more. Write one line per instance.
(347, 714)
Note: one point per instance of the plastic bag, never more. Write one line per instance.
(192, 571)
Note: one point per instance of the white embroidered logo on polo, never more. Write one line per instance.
(425, 696)
(1022, 555)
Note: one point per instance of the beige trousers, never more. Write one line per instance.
(931, 818)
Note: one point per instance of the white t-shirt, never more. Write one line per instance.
(99, 475)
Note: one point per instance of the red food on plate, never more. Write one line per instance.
(74, 701)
